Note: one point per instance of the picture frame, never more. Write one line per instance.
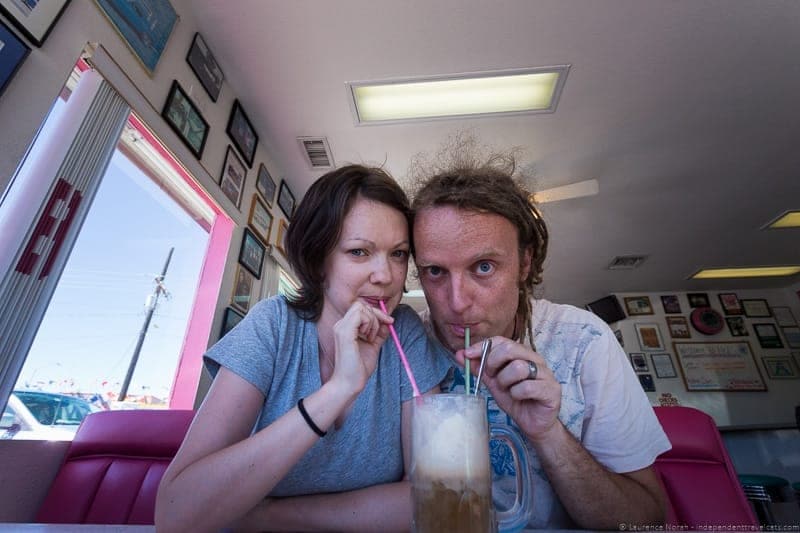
(608, 309)
(230, 319)
(678, 327)
(286, 200)
(280, 240)
(184, 118)
(697, 299)
(649, 337)
(780, 367)
(737, 326)
(205, 67)
(232, 178)
(618, 335)
(265, 185)
(671, 304)
(647, 382)
(34, 20)
(146, 30)
(638, 305)
(730, 303)
(783, 316)
(242, 289)
(792, 336)
(767, 335)
(13, 52)
(718, 366)
(260, 219)
(251, 254)
(638, 362)
(242, 133)
(662, 365)
(756, 308)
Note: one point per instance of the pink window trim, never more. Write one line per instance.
(190, 363)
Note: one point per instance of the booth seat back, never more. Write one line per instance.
(112, 469)
(697, 473)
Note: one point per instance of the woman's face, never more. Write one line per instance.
(369, 262)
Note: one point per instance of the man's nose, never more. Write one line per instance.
(460, 294)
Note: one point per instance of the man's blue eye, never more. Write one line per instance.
(434, 271)
(485, 267)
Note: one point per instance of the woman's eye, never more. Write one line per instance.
(400, 253)
(358, 252)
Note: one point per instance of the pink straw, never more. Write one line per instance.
(402, 353)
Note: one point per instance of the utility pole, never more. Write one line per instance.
(152, 301)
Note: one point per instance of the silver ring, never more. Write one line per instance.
(533, 370)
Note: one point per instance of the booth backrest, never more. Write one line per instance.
(698, 474)
(112, 469)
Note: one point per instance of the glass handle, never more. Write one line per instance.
(517, 517)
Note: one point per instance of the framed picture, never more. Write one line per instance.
(780, 367)
(280, 241)
(767, 335)
(792, 336)
(229, 320)
(662, 365)
(678, 327)
(34, 19)
(185, 119)
(639, 362)
(756, 308)
(251, 255)
(260, 219)
(608, 308)
(718, 366)
(231, 181)
(649, 337)
(730, 303)
(647, 382)
(205, 67)
(145, 26)
(265, 184)
(242, 289)
(671, 303)
(242, 133)
(698, 299)
(12, 53)
(638, 305)
(286, 200)
(618, 335)
(783, 316)
(737, 326)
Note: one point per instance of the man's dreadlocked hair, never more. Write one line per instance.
(486, 185)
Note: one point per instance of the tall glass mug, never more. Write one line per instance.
(451, 476)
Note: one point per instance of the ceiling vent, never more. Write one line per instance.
(626, 262)
(317, 152)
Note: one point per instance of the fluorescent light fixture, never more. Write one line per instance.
(747, 272)
(790, 219)
(534, 90)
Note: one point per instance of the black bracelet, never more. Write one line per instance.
(310, 422)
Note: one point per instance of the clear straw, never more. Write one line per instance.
(467, 375)
(402, 353)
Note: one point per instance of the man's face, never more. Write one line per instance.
(469, 267)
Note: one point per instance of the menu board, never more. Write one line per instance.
(719, 366)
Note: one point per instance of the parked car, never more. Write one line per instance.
(37, 415)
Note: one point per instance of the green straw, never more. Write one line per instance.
(467, 377)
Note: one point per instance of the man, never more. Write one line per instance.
(556, 372)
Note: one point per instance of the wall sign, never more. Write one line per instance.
(718, 366)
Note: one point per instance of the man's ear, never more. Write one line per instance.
(525, 264)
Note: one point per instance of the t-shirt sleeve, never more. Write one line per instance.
(249, 349)
(620, 428)
(426, 356)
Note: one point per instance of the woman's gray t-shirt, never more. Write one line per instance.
(277, 351)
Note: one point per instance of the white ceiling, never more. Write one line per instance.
(685, 111)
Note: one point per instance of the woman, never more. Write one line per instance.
(314, 380)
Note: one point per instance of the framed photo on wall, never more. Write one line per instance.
(251, 254)
(767, 335)
(229, 320)
(145, 26)
(639, 362)
(260, 219)
(265, 184)
(638, 305)
(647, 382)
(205, 67)
(649, 337)
(13, 52)
(231, 181)
(662, 364)
(698, 299)
(783, 316)
(280, 241)
(736, 326)
(33, 19)
(678, 327)
(718, 366)
(730, 303)
(780, 367)
(242, 289)
(242, 133)
(792, 336)
(286, 200)
(185, 119)
(671, 304)
(756, 308)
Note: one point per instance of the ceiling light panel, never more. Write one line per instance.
(747, 272)
(488, 93)
(790, 219)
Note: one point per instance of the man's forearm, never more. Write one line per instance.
(593, 496)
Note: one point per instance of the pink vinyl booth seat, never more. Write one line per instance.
(112, 469)
(698, 474)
